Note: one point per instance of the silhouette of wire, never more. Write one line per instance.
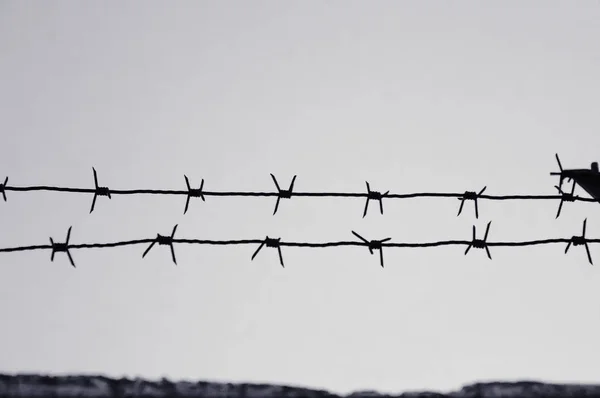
(289, 193)
(298, 194)
(290, 244)
(372, 245)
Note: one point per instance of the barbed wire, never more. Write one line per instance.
(276, 243)
(190, 192)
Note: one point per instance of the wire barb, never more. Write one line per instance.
(565, 197)
(374, 195)
(164, 240)
(580, 241)
(271, 242)
(196, 193)
(470, 195)
(480, 243)
(62, 247)
(99, 191)
(560, 174)
(282, 193)
(2, 188)
(374, 245)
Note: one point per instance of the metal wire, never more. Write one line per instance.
(372, 245)
(289, 193)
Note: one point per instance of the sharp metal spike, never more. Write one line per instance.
(95, 177)
(474, 232)
(292, 184)
(488, 252)
(280, 256)
(476, 209)
(468, 248)
(584, 226)
(360, 237)
(559, 207)
(173, 253)
(201, 187)
(567, 248)
(148, 249)
(487, 230)
(187, 182)
(482, 191)
(462, 203)
(381, 205)
(70, 258)
(93, 202)
(366, 208)
(276, 205)
(68, 235)
(257, 250)
(275, 181)
(381, 257)
(52, 254)
(187, 204)
(587, 249)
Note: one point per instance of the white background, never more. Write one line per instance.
(411, 96)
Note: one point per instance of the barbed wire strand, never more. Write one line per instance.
(372, 245)
(288, 193)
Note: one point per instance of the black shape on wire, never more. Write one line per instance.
(374, 195)
(282, 193)
(62, 247)
(196, 193)
(580, 241)
(565, 197)
(164, 240)
(2, 186)
(480, 243)
(560, 174)
(470, 195)
(374, 245)
(271, 242)
(99, 191)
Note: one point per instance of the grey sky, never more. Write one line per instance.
(411, 96)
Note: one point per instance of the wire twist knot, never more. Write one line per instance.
(480, 243)
(374, 245)
(374, 195)
(273, 243)
(99, 191)
(565, 197)
(282, 193)
(580, 241)
(164, 240)
(470, 195)
(193, 193)
(58, 247)
(3, 188)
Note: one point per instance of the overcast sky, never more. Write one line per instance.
(412, 96)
